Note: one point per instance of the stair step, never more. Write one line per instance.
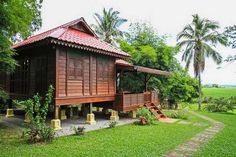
(155, 110)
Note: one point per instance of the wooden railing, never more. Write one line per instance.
(130, 101)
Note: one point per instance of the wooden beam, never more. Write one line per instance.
(151, 71)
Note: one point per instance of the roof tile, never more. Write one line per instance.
(75, 36)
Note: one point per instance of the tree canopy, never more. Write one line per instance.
(108, 24)
(198, 40)
(149, 49)
(18, 20)
(230, 33)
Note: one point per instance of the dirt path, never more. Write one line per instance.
(191, 146)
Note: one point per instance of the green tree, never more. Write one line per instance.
(198, 39)
(147, 49)
(18, 19)
(181, 88)
(230, 33)
(108, 25)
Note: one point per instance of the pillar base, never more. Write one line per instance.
(114, 116)
(10, 113)
(27, 119)
(132, 114)
(56, 124)
(63, 115)
(90, 119)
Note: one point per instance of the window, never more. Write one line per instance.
(75, 68)
(19, 80)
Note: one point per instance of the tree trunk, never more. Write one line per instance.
(199, 91)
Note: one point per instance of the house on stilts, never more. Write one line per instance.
(83, 70)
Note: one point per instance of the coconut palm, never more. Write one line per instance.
(198, 40)
(108, 24)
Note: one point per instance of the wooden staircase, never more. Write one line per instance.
(155, 110)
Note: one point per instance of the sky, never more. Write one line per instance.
(167, 16)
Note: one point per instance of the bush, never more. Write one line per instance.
(37, 109)
(221, 104)
(45, 134)
(78, 130)
(112, 124)
(3, 99)
(207, 100)
(178, 114)
(146, 117)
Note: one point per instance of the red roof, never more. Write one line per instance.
(123, 63)
(82, 37)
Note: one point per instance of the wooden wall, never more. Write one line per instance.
(36, 70)
(84, 77)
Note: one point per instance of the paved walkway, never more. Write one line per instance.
(17, 122)
(100, 124)
(191, 146)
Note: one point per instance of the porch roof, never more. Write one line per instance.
(124, 65)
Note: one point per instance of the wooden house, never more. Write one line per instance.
(82, 68)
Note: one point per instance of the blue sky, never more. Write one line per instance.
(167, 16)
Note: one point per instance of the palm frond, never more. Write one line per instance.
(108, 24)
(209, 52)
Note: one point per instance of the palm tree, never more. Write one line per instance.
(108, 25)
(198, 39)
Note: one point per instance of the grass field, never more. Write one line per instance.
(224, 143)
(219, 92)
(128, 140)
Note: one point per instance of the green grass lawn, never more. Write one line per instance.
(219, 92)
(224, 143)
(128, 140)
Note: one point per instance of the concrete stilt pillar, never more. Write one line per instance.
(63, 114)
(114, 116)
(90, 116)
(132, 114)
(10, 113)
(56, 122)
(27, 118)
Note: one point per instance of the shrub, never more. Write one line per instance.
(221, 104)
(3, 98)
(178, 114)
(79, 130)
(112, 124)
(207, 100)
(37, 110)
(146, 117)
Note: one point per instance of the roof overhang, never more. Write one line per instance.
(125, 66)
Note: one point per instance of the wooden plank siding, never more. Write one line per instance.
(84, 77)
(34, 73)
(132, 101)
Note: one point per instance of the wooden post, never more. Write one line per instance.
(90, 108)
(145, 82)
(56, 112)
